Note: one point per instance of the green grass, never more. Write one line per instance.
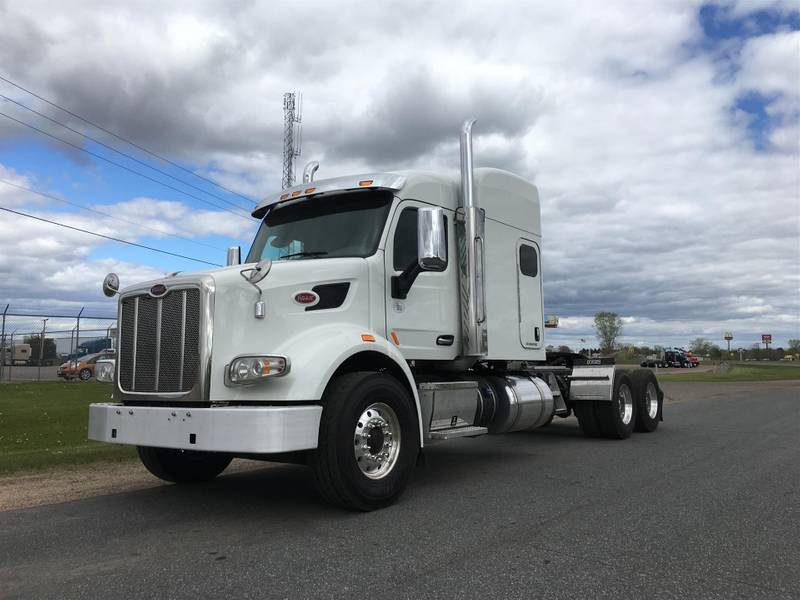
(44, 425)
(741, 372)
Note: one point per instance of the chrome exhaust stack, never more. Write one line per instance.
(474, 340)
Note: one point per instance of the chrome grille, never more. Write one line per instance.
(159, 345)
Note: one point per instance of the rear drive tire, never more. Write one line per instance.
(649, 400)
(584, 410)
(183, 466)
(617, 418)
(368, 441)
(85, 374)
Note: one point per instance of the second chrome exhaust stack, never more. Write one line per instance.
(471, 256)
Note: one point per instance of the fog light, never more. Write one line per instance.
(245, 370)
(104, 371)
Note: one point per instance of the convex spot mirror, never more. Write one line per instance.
(111, 284)
(431, 239)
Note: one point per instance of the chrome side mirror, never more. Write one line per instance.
(431, 239)
(234, 255)
(111, 285)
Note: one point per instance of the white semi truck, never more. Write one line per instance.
(16, 354)
(374, 315)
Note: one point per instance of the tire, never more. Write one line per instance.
(584, 410)
(359, 410)
(649, 400)
(183, 466)
(85, 374)
(616, 419)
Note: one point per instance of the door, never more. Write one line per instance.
(424, 325)
(529, 287)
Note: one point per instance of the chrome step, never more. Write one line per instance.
(457, 432)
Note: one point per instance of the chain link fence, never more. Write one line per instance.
(51, 345)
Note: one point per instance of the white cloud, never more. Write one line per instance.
(656, 202)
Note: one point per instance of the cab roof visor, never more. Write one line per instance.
(377, 181)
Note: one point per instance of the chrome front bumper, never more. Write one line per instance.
(234, 429)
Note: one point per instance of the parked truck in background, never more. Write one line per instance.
(374, 315)
(16, 354)
(670, 357)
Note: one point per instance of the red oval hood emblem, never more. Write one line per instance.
(158, 289)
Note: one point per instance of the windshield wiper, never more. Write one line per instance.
(305, 253)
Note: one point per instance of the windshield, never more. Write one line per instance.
(332, 226)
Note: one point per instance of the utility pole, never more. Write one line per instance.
(78, 335)
(292, 114)
(41, 349)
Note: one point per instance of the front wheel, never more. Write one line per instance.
(368, 441)
(183, 466)
(85, 374)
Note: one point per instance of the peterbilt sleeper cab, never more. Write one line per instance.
(374, 315)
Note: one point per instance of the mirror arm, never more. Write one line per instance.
(401, 284)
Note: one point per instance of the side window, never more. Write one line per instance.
(528, 261)
(405, 239)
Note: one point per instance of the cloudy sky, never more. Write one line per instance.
(664, 138)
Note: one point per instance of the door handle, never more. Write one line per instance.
(536, 333)
(445, 340)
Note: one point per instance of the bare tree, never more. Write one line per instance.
(608, 326)
(701, 347)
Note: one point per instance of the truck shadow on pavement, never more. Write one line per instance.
(287, 489)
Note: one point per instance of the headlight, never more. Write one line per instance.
(244, 370)
(104, 371)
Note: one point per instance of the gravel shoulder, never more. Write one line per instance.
(25, 490)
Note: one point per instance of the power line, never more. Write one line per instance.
(100, 212)
(120, 152)
(121, 166)
(108, 237)
(127, 141)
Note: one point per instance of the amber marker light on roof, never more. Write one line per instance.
(366, 337)
(310, 190)
(284, 196)
(365, 182)
(295, 194)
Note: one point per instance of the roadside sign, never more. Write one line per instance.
(728, 336)
(766, 338)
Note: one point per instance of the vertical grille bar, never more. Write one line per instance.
(135, 337)
(183, 338)
(159, 305)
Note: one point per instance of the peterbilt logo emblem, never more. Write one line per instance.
(306, 298)
(158, 290)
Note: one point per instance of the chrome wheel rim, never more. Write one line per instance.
(651, 400)
(625, 404)
(377, 440)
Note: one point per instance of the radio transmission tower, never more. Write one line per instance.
(292, 135)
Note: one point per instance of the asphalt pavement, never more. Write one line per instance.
(706, 507)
